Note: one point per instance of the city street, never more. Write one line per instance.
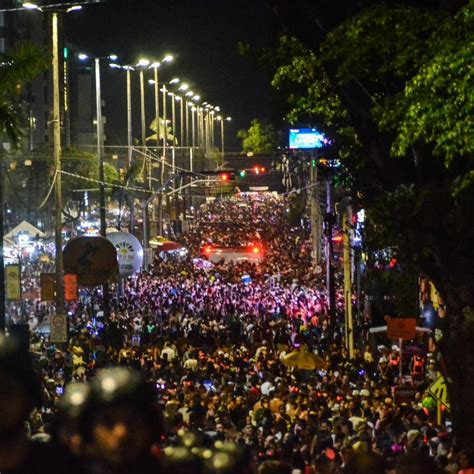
(236, 237)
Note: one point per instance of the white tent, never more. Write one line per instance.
(24, 228)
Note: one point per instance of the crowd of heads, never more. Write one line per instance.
(190, 371)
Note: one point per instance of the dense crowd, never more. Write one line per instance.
(212, 373)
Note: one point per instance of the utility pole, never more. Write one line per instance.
(58, 207)
(329, 255)
(349, 330)
(315, 214)
(2, 262)
(100, 155)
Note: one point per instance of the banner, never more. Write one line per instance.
(13, 285)
(129, 252)
(92, 259)
(47, 286)
(70, 287)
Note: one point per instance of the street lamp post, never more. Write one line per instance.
(58, 208)
(58, 204)
(100, 157)
(129, 114)
(128, 70)
(100, 154)
(173, 127)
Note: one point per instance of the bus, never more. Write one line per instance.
(253, 253)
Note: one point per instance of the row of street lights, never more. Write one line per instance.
(202, 125)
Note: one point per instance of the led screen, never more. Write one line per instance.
(307, 138)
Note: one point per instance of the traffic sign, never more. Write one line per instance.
(401, 328)
(58, 328)
(439, 391)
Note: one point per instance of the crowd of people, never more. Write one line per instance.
(191, 371)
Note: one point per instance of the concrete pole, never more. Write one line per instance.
(349, 330)
(100, 155)
(129, 116)
(58, 204)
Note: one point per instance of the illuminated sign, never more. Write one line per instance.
(307, 139)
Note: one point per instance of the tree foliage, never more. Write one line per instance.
(259, 138)
(393, 87)
(18, 66)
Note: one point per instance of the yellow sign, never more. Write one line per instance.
(439, 391)
(13, 286)
(47, 287)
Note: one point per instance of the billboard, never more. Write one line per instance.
(306, 139)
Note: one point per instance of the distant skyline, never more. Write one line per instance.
(203, 36)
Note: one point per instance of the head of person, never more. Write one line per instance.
(121, 420)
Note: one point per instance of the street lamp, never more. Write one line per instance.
(128, 70)
(221, 119)
(58, 239)
(100, 155)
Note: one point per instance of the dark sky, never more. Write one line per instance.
(202, 34)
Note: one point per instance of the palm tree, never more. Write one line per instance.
(18, 66)
(161, 134)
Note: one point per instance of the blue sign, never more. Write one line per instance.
(307, 139)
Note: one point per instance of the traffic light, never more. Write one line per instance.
(258, 169)
(224, 177)
(242, 173)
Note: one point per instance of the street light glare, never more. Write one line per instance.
(115, 65)
(151, 81)
(184, 87)
(82, 56)
(31, 6)
(196, 98)
(189, 94)
(154, 65)
(174, 80)
(228, 119)
(74, 8)
(219, 117)
(177, 97)
(168, 58)
(113, 57)
(143, 62)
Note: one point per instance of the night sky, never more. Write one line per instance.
(202, 34)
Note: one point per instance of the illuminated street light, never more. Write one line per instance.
(31, 6)
(183, 87)
(74, 8)
(175, 80)
(168, 58)
(143, 62)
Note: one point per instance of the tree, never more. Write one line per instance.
(393, 87)
(20, 65)
(259, 138)
(162, 132)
